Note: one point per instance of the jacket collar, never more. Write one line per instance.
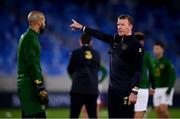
(32, 31)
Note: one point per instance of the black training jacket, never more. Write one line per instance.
(126, 59)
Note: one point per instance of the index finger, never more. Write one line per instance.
(74, 21)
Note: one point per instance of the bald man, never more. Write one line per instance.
(31, 90)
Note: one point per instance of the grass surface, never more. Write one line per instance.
(64, 113)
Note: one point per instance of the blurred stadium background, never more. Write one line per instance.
(157, 19)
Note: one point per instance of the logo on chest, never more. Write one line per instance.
(161, 66)
(121, 46)
(88, 55)
(124, 46)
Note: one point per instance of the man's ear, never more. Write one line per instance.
(39, 23)
(131, 26)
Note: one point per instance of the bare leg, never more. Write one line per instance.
(162, 111)
(139, 115)
(84, 112)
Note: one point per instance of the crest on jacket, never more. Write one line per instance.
(88, 55)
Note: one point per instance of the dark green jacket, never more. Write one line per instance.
(29, 56)
(164, 73)
(29, 70)
(147, 79)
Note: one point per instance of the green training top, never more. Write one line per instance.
(164, 73)
(104, 73)
(147, 79)
(29, 55)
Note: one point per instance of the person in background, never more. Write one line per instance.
(147, 84)
(165, 77)
(83, 68)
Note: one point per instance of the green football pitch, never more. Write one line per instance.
(64, 113)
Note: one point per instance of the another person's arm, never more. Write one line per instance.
(172, 77)
(104, 73)
(32, 58)
(71, 66)
(151, 76)
(95, 33)
(138, 60)
(31, 51)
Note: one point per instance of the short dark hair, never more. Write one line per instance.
(85, 38)
(125, 16)
(160, 43)
(139, 36)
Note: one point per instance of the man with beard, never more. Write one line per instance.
(30, 84)
(165, 77)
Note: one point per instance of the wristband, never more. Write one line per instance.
(83, 28)
(135, 90)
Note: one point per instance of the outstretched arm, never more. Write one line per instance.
(95, 33)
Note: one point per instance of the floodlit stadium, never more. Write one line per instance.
(156, 19)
